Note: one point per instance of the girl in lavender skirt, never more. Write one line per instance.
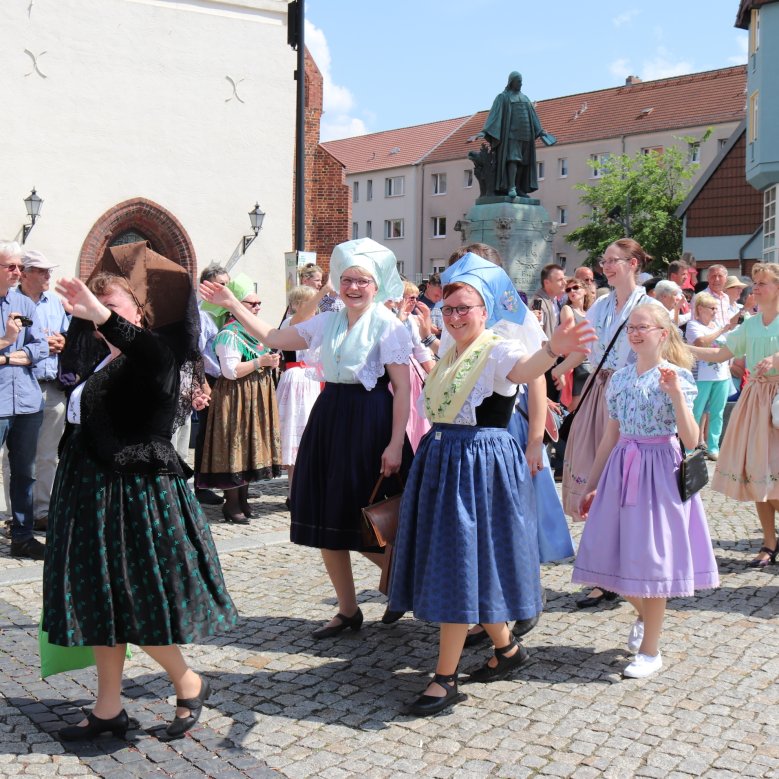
(640, 539)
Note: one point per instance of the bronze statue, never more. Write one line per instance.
(511, 130)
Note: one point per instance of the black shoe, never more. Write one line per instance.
(425, 705)
(506, 664)
(41, 525)
(523, 626)
(474, 639)
(237, 519)
(181, 725)
(354, 622)
(117, 726)
(31, 548)
(391, 616)
(246, 510)
(287, 503)
(209, 498)
(594, 600)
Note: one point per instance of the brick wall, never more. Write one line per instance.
(727, 204)
(165, 233)
(328, 200)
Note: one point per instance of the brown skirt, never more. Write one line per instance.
(242, 441)
(748, 464)
(585, 436)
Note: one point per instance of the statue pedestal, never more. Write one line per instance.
(520, 229)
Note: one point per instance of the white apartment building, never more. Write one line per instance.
(638, 116)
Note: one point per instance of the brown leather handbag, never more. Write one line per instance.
(380, 519)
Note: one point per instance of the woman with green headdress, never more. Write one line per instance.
(242, 442)
(357, 428)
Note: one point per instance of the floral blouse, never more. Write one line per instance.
(640, 406)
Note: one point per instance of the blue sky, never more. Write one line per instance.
(395, 63)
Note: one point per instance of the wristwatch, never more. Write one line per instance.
(548, 349)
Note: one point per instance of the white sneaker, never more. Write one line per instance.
(643, 665)
(636, 636)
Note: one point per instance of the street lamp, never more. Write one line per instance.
(256, 216)
(33, 205)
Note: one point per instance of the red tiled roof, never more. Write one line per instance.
(391, 148)
(711, 97)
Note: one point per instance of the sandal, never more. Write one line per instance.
(506, 664)
(425, 705)
(760, 562)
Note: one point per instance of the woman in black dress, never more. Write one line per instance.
(129, 554)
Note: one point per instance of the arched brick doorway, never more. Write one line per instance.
(138, 219)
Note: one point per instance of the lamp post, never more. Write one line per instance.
(256, 216)
(32, 203)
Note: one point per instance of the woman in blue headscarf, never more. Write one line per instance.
(467, 544)
(357, 427)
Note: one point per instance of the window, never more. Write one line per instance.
(437, 266)
(401, 266)
(369, 189)
(540, 170)
(597, 161)
(393, 228)
(355, 191)
(769, 225)
(355, 231)
(754, 31)
(562, 167)
(395, 186)
(753, 98)
(650, 149)
(467, 179)
(369, 229)
(721, 142)
(561, 259)
(439, 183)
(562, 215)
(439, 227)
(694, 152)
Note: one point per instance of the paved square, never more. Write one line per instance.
(285, 705)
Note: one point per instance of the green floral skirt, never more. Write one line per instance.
(129, 558)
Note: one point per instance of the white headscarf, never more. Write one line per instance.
(373, 258)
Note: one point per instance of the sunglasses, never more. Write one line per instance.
(12, 267)
(573, 288)
(252, 303)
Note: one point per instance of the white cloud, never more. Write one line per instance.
(620, 69)
(663, 65)
(742, 43)
(338, 101)
(625, 18)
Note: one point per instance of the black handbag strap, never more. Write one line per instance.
(600, 364)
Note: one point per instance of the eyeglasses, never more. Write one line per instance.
(448, 311)
(347, 281)
(608, 263)
(642, 329)
(252, 303)
(12, 267)
(572, 288)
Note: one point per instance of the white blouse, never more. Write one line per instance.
(394, 346)
(74, 401)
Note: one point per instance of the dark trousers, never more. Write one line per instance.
(19, 433)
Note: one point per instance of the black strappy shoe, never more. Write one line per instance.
(506, 664)
(181, 725)
(426, 705)
(354, 622)
(116, 726)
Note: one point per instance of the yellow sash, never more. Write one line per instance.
(452, 379)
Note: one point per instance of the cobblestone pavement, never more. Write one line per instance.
(285, 705)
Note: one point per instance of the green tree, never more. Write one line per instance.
(638, 196)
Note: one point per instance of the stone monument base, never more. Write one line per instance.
(520, 229)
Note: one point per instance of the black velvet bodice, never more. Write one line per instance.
(495, 410)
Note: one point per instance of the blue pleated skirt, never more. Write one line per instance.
(554, 538)
(467, 543)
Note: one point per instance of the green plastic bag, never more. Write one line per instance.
(59, 659)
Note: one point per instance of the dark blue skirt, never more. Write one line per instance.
(467, 544)
(338, 463)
